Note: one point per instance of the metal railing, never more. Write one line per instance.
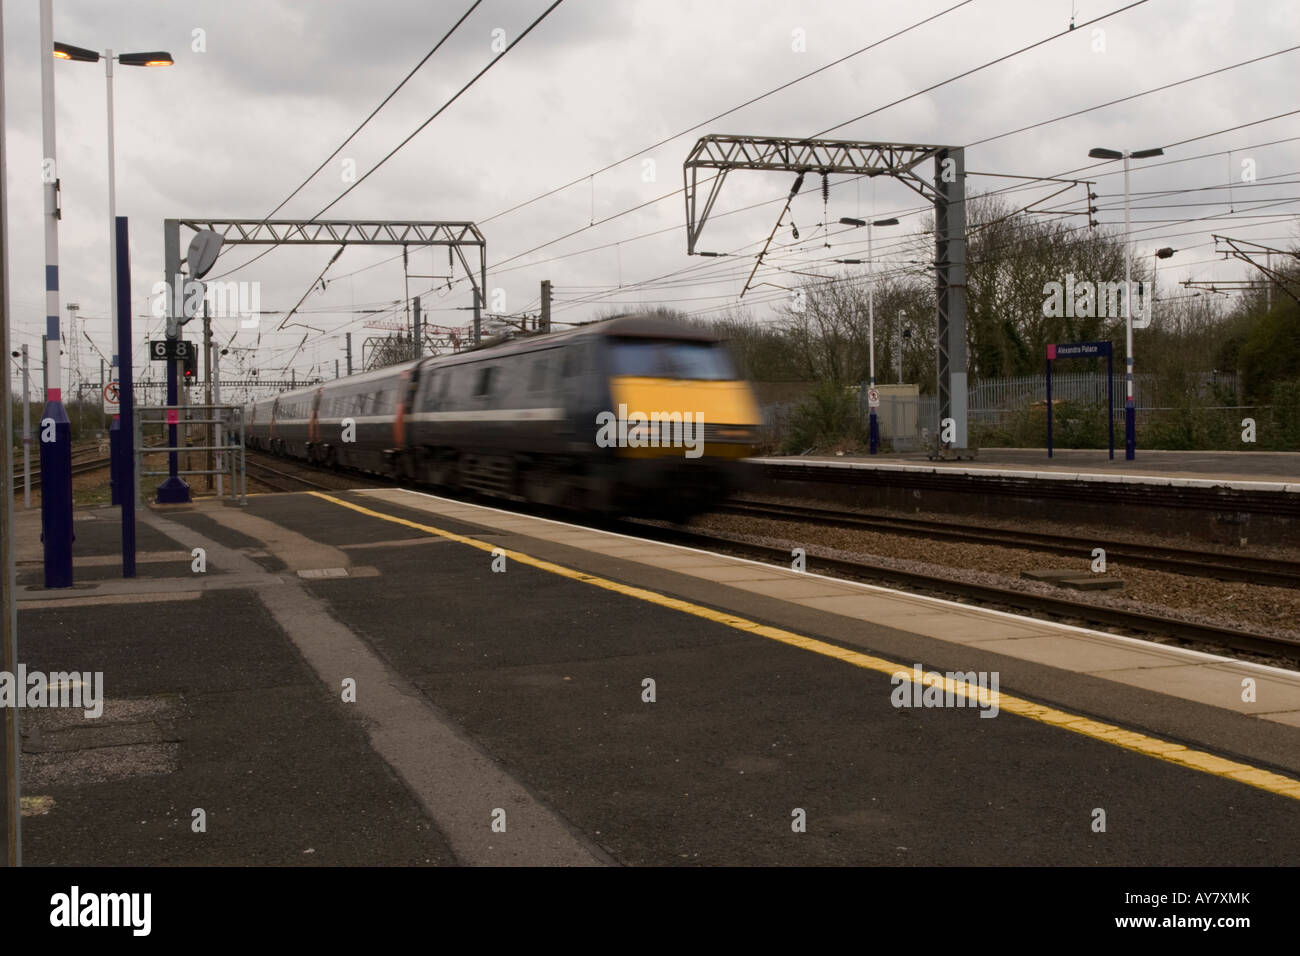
(224, 426)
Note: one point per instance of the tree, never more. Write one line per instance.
(1012, 256)
(1271, 352)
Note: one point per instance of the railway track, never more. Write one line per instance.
(281, 480)
(78, 468)
(1210, 564)
(266, 475)
(1082, 610)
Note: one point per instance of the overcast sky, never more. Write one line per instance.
(263, 90)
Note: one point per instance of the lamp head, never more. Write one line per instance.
(66, 51)
(151, 58)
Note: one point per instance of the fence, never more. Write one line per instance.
(1008, 404)
(996, 401)
(222, 427)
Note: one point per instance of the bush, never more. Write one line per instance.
(1271, 353)
(829, 415)
(1284, 428)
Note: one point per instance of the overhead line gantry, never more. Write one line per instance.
(946, 189)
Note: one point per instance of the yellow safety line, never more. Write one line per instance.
(1108, 733)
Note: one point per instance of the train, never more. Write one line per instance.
(632, 415)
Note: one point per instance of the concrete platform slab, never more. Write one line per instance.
(1219, 685)
(790, 590)
(628, 704)
(1085, 655)
(1250, 470)
(1076, 650)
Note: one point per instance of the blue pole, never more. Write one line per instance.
(1110, 400)
(1049, 408)
(873, 431)
(174, 490)
(115, 481)
(126, 408)
(1130, 412)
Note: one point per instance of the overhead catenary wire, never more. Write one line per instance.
(439, 111)
(351, 136)
(1094, 166)
(589, 177)
(977, 69)
(735, 109)
(495, 266)
(1055, 119)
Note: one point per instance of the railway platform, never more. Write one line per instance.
(1262, 471)
(1234, 498)
(386, 676)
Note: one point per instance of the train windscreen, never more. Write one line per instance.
(659, 358)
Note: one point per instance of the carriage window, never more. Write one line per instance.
(483, 385)
(538, 379)
(665, 358)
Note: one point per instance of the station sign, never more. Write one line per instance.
(1078, 350)
(1067, 350)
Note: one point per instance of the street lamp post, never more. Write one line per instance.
(121, 459)
(1130, 411)
(873, 426)
(56, 430)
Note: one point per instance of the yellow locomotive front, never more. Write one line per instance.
(679, 420)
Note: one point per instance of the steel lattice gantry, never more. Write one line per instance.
(346, 232)
(900, 160)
